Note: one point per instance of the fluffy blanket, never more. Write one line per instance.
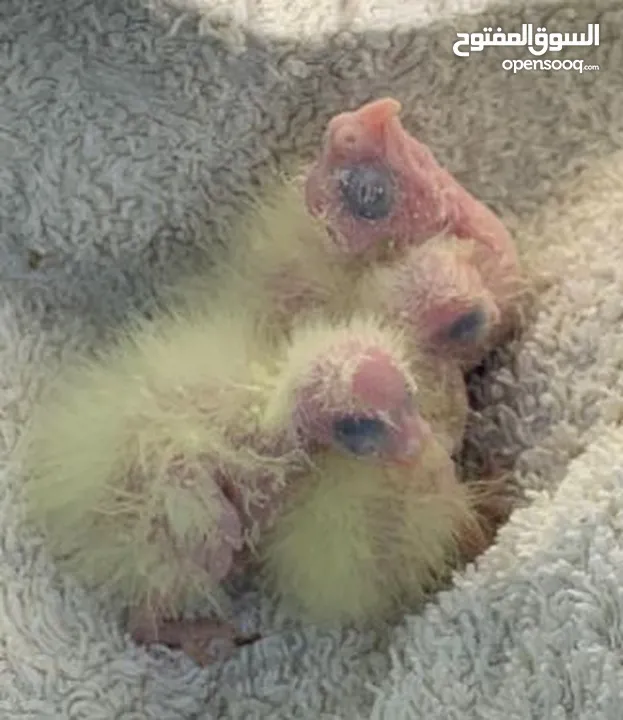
(129, 135)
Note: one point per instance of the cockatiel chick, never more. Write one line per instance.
(310, 245)
(370, 532)
(156, 470)
(381, 191)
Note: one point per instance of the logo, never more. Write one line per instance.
(538, 43)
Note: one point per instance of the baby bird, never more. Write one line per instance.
(381, 518)
(155, 469)
(380, 191)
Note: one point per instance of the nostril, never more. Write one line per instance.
(347, 138)
(367, 191)
(360, 435)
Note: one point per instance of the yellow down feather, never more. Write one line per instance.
(128, 437)
(363, 540)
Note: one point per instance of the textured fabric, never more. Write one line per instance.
(129, 136)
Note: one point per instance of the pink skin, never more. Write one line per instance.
(376, 388)
(428, 199)
(429, 291)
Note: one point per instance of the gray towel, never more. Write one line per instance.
(129, 136)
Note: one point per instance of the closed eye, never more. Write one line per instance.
(360, 435)
(367, 191)
(468, 327)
